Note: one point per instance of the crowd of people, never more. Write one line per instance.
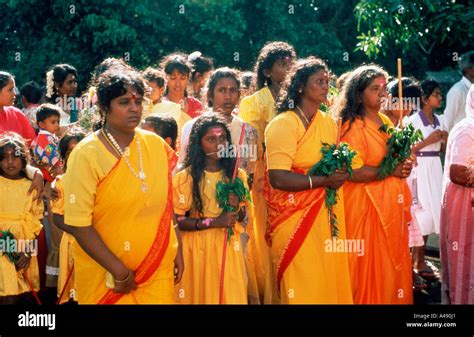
(187, 184)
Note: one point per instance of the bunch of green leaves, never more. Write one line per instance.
(5, 238)
(223, 190)
(398, 147)
(334, 158)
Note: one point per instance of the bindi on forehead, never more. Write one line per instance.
(217, 131)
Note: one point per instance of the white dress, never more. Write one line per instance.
(426, 178)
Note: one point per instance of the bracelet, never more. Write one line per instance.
(196, 224)
(126, 279)
(310, 182)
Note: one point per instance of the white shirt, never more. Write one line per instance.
(456, 103)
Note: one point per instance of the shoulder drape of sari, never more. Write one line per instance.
(298, 225)
(377, 213)
(135, 226)
(258, 110)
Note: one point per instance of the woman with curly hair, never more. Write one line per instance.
(377, 211)
(273, 64)
(203, 223)
(118, 203)
(298, 232)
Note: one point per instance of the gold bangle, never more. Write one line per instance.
(126, 279)
(310, 182)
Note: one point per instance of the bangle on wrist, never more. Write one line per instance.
(126, 279)
(310, 182)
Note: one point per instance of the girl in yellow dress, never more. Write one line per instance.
(203, 223)
(307, 267)
(20, 216)
(258, 109)
(66, 289)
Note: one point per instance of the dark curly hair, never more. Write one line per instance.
(176, 61)
(108, 64)
(60, 73)
(428, 87)
(17, 143)
(349, 102)
(74, 134)
(5, 79)
(269, 54)
(115, 83)
(218, 74)
(296, 81)
(201, 64)
(196, 158)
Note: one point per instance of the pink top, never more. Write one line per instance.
(13, 120)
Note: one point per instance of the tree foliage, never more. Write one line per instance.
(36, 34)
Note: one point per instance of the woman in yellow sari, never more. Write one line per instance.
(118, 204)
(377, 211)
(306, 266)
(258, 110)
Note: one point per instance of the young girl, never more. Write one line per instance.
(178, 70)
(223, 92)
(202, 67)
(273, 64)
(204, 223)
(20, 215)
(63, 254)
(428, 174)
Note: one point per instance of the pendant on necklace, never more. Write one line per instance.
(141, 175)
(144, 187)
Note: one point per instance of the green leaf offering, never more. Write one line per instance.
(224, 189)
(334, 158)
(398, 147)
(6, 240)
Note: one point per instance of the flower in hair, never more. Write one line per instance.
(49, 84)
(194, 56)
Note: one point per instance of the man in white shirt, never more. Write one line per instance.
(456, 98)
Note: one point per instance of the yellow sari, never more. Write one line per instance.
(306, 266)
(137, 227)
(258, 110)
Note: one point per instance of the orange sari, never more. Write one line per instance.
(377, 213)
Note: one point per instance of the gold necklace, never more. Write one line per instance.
(303, 115)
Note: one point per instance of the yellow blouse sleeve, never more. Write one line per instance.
(281, 138)
(37, 211)
(182, 192)
(80, 187)
(57, 205)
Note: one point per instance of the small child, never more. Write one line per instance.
(45, 145)
(19, 215)
(63, 243)
(31, 94)
(164, 126)
(156, 81)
